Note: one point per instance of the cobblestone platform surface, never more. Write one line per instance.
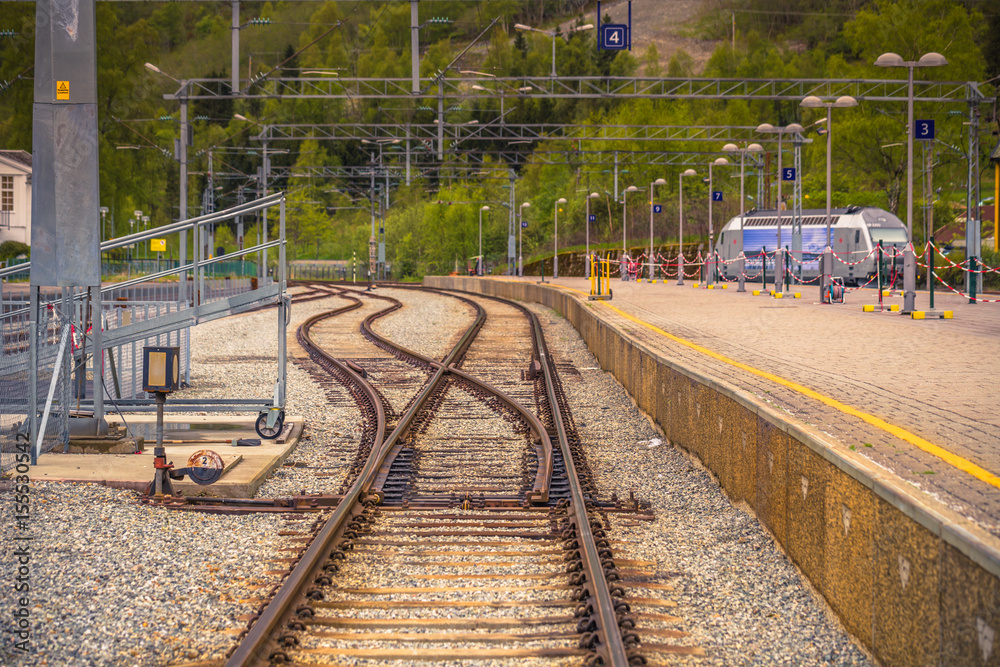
(934, 378)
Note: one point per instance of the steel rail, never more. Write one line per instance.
(543, 476)
(612, 647)
(257, 645)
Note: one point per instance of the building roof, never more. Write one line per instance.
(18, 157)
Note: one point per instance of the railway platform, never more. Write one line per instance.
(866, 442)
(917, 398)
(245, 467)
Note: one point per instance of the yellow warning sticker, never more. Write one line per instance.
(62, 90)
(157, 245)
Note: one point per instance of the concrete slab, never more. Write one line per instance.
(246, 467)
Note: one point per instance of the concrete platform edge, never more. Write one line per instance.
(912, 579)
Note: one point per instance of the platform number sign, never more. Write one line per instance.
(788, 174)
(923, 129)
(657, 208)
(614, 36)
(524, 224)
(716, 195)
(592, 218)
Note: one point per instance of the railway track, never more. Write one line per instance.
(467, 527)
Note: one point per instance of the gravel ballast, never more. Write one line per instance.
(738, 595)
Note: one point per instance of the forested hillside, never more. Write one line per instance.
(429, 227)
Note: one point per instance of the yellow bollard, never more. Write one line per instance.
(868, 308)
(918, 315)
(948, 315)
(756, 292)
(894, 308)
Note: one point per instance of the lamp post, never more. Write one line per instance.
(680, 229)
(909, 261)
(813, 102)
(480, 268)
(718, 162)
(182, 159)
(791, 128)
(555, 239)
(520, 236)
(751, 148)
(592, 195)
(553, 34)
(658, 181)
(627, 190)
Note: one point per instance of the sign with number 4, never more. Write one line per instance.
(614, 36)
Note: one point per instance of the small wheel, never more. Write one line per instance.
(269, 433)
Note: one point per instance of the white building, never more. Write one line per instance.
(15, 196)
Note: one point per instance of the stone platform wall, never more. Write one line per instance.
(915, 582)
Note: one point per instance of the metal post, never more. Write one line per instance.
(555, 244)
(440, 124)
(878, 270)
(282, 308)
(236, 47)
(711, 248)
(97, 306)
(909, 261)
(827, 278)
(587, 227)
(520, 235)
(414, 55)
(680, 230)
(616, 175)
(779, 273)
(32, 365)
(266, 172)
(624, 219)
(182, 211)
(408, 151)
(930, 272)
(651, 190)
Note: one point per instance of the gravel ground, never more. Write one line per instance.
(429, 323)
(738, 595)
(116, 583)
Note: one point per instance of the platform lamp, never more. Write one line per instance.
(680, 228)
(658, 181)
(479, 270)
(592, 195)
(813, 102)
(750, 148)
(555, 239)
(791, 128)
(520, 236)
(909, 261)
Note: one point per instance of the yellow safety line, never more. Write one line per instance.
(952, 459)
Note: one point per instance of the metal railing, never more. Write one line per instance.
(117, 320)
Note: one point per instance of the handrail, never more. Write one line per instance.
(182, 225)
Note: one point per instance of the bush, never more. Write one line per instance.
(11, 249)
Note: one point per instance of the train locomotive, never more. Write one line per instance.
(855, 232)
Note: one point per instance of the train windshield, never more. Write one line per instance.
(888, 235)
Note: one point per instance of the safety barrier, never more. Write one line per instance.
(914, 581)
